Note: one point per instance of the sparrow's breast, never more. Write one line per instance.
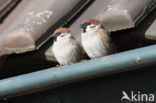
(65, 52)
(94, 46)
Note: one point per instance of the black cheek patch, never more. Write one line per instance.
(92, 26)
(84, 29)
(55, 36)
(62, 35)
(84, 26)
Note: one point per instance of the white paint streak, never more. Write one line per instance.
(45, 12)
(39, 23)
(44, 20)
(39, 14)
(124, 11)
(37, 18)
(31, 13)
(111, 7)
(26, 21)
(115, 7)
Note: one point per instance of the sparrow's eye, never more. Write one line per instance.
(62, 35)
(57, 34)
(92, 26)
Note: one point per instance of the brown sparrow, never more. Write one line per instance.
(95, 39)
(65, 48)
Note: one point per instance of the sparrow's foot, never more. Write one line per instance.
(59, 65)
(83, 60)
(71, 63)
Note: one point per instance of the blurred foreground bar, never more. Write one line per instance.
(54, 77)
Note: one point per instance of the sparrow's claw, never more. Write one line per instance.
(83, 60)
(59, 65)
(71, 63)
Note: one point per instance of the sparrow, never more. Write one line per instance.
(95, 39)
(65, 48)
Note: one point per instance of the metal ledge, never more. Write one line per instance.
(53, 77)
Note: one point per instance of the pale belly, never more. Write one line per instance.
(94, 47)
(65, 54)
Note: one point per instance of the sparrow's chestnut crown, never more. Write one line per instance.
(91, 23)
(61, 30)
(61, 33)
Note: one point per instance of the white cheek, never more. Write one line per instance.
(66, 36)
(59, 38)
(88, 29)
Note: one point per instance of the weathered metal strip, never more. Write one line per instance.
(53, 77)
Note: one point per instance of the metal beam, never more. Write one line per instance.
(80, 71)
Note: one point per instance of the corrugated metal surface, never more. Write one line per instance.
(6, 6)
(114, 14)
(32, 22)
(30, 25)
(122, 14)
(147, 29)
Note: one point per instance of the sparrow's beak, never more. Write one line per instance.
(54, 37)
(82, 26)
